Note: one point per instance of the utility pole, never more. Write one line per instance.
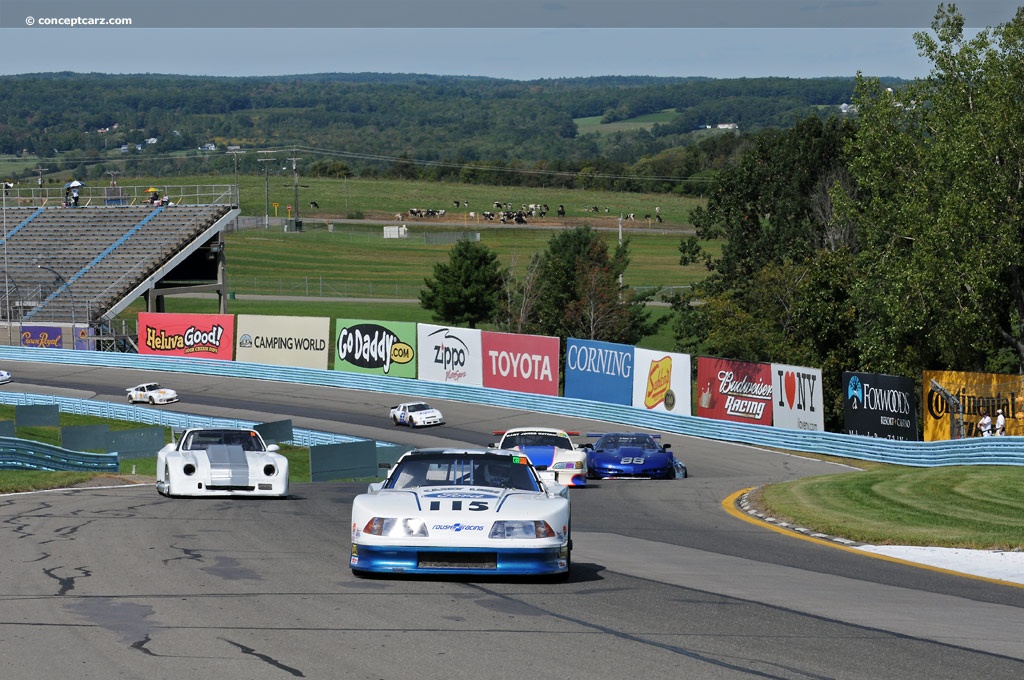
(295, 172)
(39, 181)
(266, 185)
(235, 153)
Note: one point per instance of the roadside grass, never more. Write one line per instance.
(975, 507)
(12, 481)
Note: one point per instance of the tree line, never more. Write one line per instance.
(470, 129)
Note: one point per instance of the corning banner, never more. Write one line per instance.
(376, 347)
(520, 363)
(301, 341)
(799, 403)
(599, 371)
(740, 391)
(198, 336)
(42, 336)
(878, 405)
(976, 392)
(661, 381)
(450, 355)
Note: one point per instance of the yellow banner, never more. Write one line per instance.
(977, 393)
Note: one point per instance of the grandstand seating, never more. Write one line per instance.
(85, 263)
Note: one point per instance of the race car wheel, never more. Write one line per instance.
(152, 400)
(395, 420)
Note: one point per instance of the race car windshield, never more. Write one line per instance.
(203, 439)
(516, 439)
(617, 441)
(508, 472)
(418, 407)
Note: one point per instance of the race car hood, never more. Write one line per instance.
(461, 514)
(541, 456)
(651, 456)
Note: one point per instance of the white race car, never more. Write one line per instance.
(151, 393)
(416, 414)
(462, 511)
(548, 448)
(221, 462)
(5, 377)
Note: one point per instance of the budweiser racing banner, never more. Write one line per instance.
(661, 381)
(198, 336)
(798, 403)
(739, 391)
(376, 347)
(976, 393)
(878, 405)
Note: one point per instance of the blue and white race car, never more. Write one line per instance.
(631, 455)
(548, 448)
(462, 511)
(221, 462)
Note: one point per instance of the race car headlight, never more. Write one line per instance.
(393, 526)
(567, 465)
(269, 470)
(521, 529)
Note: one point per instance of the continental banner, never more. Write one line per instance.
(976, 392)
(301, 341)
(661, 381)
(878, 405)
(376, 347)
(197, 336)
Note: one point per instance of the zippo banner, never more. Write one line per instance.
(599, 371)
(198, 336)
(799, 403)
(450, 355)
(376, 347)
(661, 381)
(520, 363)
(284, 340)
(879, 405)
(740, 391)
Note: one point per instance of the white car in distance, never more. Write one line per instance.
(151, 393)
(416, 414)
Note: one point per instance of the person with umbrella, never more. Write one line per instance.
(72, 186)
(155, 198)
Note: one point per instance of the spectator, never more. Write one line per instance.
(985, 424)
(1000, 423)
(74, 197)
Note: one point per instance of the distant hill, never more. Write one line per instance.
(386, 123)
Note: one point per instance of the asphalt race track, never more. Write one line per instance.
(123, 583)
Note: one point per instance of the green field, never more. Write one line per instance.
(593, 124)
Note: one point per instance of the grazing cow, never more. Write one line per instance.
(487, 215)
(561, 211)
(658, 217)
(398, 216)
(455, 203)
(314, 204)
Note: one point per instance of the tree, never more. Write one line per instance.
(939, 166)
(466, 290)
(580, 294)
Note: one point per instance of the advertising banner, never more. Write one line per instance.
(284, 340)
(977, 393)
(376, 347)
(740, 391)
(198, 336)
(878, 405)
(661, 381)
(450, 355)
(521, 363)
(42, 336)
(599, 371)
(799, 403)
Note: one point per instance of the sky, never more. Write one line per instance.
(514, 39)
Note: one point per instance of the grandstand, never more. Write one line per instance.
(82, 266)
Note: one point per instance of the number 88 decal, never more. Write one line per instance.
(631, 461)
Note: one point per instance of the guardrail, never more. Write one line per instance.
(982, 451)
(20, 454)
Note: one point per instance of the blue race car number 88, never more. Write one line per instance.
(631, 461)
